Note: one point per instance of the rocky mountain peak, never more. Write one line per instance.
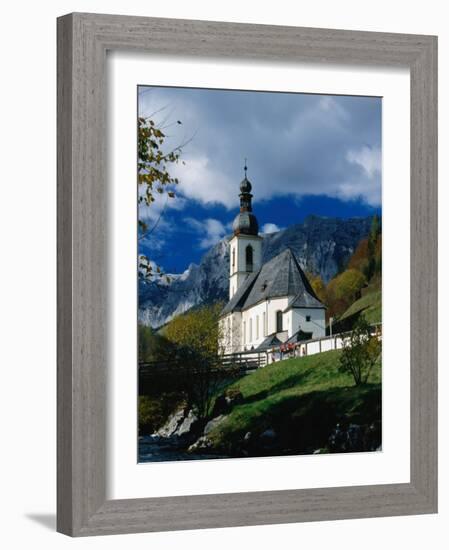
(321, 245)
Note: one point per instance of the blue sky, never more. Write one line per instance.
(306, 154)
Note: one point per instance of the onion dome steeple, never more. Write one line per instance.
(245, 222)
(245, 184)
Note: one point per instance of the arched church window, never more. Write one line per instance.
(233, 259)
(249, 258)
(279, 321)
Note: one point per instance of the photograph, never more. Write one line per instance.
(259, 273)
(231, 339)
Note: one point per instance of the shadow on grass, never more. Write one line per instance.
(314, 416)
(303, 423)
(295, 379)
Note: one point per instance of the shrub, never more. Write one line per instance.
(153, 346)
(360, 352)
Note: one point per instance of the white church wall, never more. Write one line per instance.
(230, 331)
(237, 268)
(313, 347)
(240, 243)
(328, 345)
(274, 305)
(260, 321)
(223, 334)
(253, 319)
(288, 322)
(236, 281)
(316, 325)
(236, 332)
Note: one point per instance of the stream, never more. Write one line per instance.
(164, 449)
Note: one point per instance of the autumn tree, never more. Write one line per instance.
(378, 254)
(363, 267)
(318, 286)
(196, 335)
(360, 258)
(375, 229)
(197, 329)
(154, 179)
(360, 352)
(374, 260)
(343, 290)
(367, 257)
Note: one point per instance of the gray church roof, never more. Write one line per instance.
(299, 336)
(269, 342)
(281, 276)
(304, 299)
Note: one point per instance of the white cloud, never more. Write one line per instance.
(154, 216)
(157, 209)
(326, 102)
(367, 184)
(270, 228)
(201, 180)
(210, 231)
(364, 189)
(332, 108)
(296, 144)
(368, 158)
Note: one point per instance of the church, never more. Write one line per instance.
(271, 303)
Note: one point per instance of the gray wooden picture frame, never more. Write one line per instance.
(83, 40)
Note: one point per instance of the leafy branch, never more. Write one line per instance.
(154, 179)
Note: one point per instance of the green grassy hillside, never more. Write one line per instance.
(302, 400)
(371, 306)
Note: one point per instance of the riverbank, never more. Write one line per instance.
(297, 406)
(156, 449)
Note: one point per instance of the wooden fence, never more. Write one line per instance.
(232, 364)
(236, 364)
(317, 345)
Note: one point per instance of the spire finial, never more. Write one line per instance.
(245, 167)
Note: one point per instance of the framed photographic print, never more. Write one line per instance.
(246, 274)
(239, 276)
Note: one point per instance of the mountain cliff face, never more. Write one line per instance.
(322, 245)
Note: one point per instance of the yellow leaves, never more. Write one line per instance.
(343, 290)
(359, 260)
(197, 330)
(374, 348)
(346, 285)
(318, 287)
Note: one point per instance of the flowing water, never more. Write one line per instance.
(158, 449)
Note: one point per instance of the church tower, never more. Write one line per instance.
(245, 246)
